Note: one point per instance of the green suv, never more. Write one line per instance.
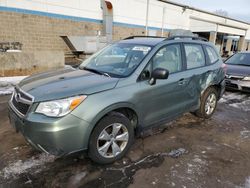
(117, 93)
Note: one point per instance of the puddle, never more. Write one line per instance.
(123, 176)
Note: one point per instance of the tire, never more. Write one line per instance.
(100, 141)
(202, 112)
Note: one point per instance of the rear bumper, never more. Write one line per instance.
(56, 136)
(238, 85)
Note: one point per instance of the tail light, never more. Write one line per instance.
(224, 67)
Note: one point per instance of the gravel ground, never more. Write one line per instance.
(189, 152)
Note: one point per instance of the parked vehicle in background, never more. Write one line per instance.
(238, 72)
(117, 93)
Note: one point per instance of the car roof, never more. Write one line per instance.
(244, 52)
(154, 40)
(143, 41)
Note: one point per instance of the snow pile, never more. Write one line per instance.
(245, 134)
(7, 84)
(230, 96)
(247, 183)
(245, 105)
(20, 167)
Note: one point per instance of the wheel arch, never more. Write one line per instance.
(218, 86)
(121, 108)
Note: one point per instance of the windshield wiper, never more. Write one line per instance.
(92, 70)
(242, 64)
(96, 71)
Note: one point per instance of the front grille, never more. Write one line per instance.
(21, 101)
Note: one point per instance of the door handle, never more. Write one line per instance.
(182, 81)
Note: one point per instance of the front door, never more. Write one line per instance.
(165, 99)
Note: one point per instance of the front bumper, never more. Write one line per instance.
(238, 85)
(56, 136)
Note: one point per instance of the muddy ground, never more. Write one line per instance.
(190, 152)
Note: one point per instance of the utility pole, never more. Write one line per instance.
(146, 33)
(163, 20)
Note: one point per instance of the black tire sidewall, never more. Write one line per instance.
(101, 125)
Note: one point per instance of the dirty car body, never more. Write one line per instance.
(120, 81)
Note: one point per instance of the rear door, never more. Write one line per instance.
(195, 74)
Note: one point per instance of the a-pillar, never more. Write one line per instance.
(212, 36)
(241, 45)
(229, 45)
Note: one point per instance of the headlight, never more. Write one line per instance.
(59, 108)
(247, 78)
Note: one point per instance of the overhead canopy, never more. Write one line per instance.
(197, 25)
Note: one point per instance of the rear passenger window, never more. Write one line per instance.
(194, 55)
(212, 55)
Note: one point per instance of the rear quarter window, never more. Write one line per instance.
(194, 55)
(212, 55)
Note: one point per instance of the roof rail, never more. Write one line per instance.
(142, 36)
(188, 37)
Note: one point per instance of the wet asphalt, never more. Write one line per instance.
(188, 152)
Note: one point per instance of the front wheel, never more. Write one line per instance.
(110, 139)
(208, 103)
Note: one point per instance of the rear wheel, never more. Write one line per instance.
(208, 103)
(111, 138)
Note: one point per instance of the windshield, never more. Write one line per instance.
(239, 59)
(118, 60)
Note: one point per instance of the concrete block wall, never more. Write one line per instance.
(38, 33)
(40, 36)
(27, 63)
(43, 49)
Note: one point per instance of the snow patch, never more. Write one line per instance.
(196, 166)
(245, 134)
(231, 96)
(247, 183)
(76, 179)
(13, 170)
(7, 84)
(12, 79)
(222, 100)
(245, 105)
(176, 153)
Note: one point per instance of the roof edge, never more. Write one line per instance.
(201, 10)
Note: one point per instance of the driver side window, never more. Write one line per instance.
(168, 57)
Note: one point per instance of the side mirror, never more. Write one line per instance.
(158, 73)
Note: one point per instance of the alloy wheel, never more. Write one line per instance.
(210, 104)
(112, 140)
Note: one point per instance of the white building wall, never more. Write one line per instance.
(133, 12)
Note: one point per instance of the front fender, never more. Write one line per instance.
(111, 108)
(94, 116)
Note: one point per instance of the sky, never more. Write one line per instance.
(239, 9)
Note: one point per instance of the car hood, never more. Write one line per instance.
(238, 70)
(65, 83)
